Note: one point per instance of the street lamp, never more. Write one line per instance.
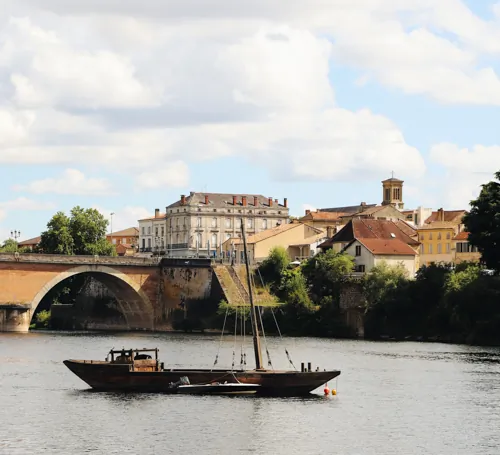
(15, 234)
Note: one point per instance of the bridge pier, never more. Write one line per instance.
(15, 318)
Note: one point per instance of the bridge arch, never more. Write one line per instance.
(134, 304)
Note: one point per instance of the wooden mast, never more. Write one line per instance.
(253, 313)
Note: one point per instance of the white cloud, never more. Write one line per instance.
(71, 181)
(23, 203)
(463, 171)
(173, 175)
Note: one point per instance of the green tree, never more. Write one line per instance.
(57, 238)
(381, 280)
(9, 246)
(273, 267)
(326, 273)
(83, 232)
(483, 223)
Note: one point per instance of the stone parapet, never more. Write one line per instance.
(77, 260)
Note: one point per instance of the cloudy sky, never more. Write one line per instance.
(123, 105)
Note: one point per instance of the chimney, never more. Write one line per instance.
(255, 201)
(206, 199)
(270, 201)
(183, 199)
(244, 201)
(285, 202)
(157, 213)
(441, 215)
(276, 201)
(308, 212)
(234, 200)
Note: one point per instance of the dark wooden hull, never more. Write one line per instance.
(107, 376)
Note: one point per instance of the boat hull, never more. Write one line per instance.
(107, 376)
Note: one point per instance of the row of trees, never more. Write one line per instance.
(82, 232)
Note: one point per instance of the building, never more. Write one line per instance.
(370, 252)
(300, 240)
(124, 249)
(326, 221)
(464, 251)
(382, 212)
(128, 236)
(367, 228)
(30, 243)
(418, 216)
(198, 224)
(393, 193)
(436, 236)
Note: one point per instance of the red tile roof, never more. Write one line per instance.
(464, 235)
(29, 242)
(323, 216)
(386, 247)
(129, 232)
(454, 216)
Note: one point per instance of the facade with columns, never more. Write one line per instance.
(198, 224)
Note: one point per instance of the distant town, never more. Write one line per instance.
(208, 225)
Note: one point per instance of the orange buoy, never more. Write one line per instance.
(334, 392)
(326, 390)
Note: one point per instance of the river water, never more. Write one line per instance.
(393, 398)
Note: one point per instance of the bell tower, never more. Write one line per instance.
(393, 192)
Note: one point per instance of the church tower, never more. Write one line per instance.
(393, 192)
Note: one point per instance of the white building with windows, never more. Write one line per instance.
(198, 224)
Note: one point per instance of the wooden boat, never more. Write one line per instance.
(134, 370)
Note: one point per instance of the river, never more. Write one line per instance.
(393, 398)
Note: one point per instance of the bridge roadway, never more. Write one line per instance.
(147, 289)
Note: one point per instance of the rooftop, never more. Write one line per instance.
(464, 236)
(454, 216)
(129, 232)
(33, 241)
(263, 235)
(349, 209)
(370, 228)
(438, 225)
(228, 200)
(323, 216)
(387, 247)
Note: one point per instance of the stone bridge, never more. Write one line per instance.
(147, 290)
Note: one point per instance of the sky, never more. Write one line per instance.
(124, 105)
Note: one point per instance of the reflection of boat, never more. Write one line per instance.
(135, 370)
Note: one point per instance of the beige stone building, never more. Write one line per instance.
(198, 224)
(370, 252)
(463, 250)
(300, 240)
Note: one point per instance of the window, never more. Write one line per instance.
(238, 223)
(198, 239)
(358, 250)
(439, 235)
(422, 237)
(396, 194)
(213, 243)
(198, 221)
(448, 247)
(430, 236)
(143, 230)
(178, 221)
(228, 222)
(156, 231)
(143, 243)
(422, 249)
(430, 248)
(124, 240)
(149, 243)
(113, 241)
(448, 236)
(178, 237)
(264, 224)
(360, 268)
(149, 230)
(249, 223)
(214, 222)
(184, 221)
(162, 231)
(387, 194)
(439, 248)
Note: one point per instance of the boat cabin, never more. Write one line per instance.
(139, 359)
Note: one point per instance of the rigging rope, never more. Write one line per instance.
(235, 335)
(221, 335)
(269, 361)
(278, 327)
